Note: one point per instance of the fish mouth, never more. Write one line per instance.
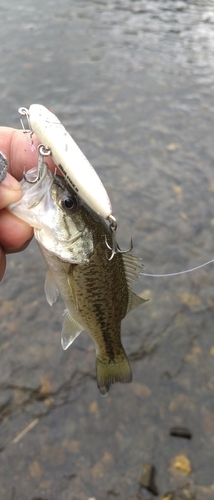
(32, 195)
(37, 202)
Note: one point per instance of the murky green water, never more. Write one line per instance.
(133, 83)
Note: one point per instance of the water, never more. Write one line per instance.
(133, 83)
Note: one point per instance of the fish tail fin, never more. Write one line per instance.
(111, 371)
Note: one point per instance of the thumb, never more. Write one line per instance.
(10, 191)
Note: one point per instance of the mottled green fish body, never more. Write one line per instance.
(96, 291)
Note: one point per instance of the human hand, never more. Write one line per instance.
(15, 234)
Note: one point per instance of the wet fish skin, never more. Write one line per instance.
(96, 291)
(96, 296)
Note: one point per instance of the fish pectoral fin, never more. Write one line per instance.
(70, 330)
(111, 371)
(51, 288)
(134, 301)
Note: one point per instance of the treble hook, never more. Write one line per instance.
(115, 247)
(42, 151)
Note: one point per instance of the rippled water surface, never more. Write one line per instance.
(133, 83)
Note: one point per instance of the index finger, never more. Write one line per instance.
(14, 145)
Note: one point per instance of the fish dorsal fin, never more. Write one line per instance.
(134, 301)
(133, 266)
(51, 288)
(70, 330)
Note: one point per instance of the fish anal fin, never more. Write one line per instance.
(134, 301)
(51, 288)
(111, 371)
(70, 330)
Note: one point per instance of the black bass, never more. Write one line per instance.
(97, 292)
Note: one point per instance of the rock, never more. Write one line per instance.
(183, 494)
(147, 479)
(181, 432)
(182, 463)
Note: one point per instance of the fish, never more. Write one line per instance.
(97, 292)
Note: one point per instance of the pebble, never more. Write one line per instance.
(182, 463)
(147, 479)
(179, 495)
(172, 147)
(181, 432)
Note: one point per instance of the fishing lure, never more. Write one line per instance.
(69, 158)
(72, 163)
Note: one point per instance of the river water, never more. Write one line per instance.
(133, 83)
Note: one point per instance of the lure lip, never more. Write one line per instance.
(70, 160)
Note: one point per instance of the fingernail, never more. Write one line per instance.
(3, 166)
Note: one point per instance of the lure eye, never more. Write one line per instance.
(69, 203)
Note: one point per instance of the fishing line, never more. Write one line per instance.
(180, 272)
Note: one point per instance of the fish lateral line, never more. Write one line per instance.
(179, 272)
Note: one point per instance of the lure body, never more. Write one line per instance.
(70, 160)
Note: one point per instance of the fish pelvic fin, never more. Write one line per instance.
(70, 330)
(51, 288)
(111, 371)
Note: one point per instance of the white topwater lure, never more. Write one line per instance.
(72, 163)
(69, 158)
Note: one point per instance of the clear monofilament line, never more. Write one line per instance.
(180, 272)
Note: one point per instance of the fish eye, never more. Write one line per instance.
(69, 203)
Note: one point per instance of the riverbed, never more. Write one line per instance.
(132, 81)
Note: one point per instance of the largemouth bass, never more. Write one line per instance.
(96, 292)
